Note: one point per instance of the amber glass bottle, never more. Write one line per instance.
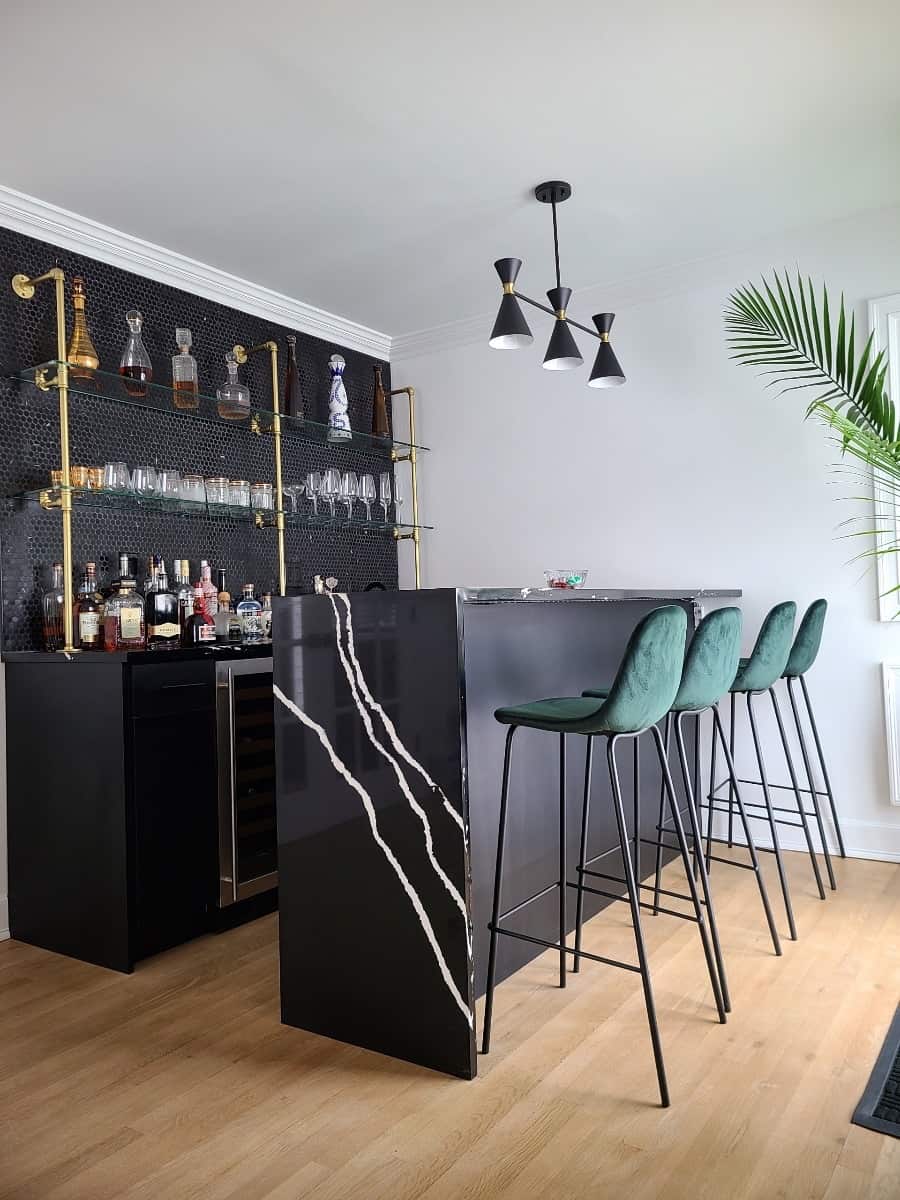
(293, 401)
(82, 356)
(380, 427)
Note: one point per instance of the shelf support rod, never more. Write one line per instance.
(24, 287)
(414, 480)
(241, 353)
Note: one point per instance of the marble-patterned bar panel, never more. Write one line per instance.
(375, 936)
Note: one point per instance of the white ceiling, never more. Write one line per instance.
(375, 158)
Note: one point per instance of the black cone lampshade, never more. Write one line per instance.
(562, 352)
(606, 371)
(510, 330)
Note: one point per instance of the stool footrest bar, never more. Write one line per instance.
(524, 937)
(646, 887)
(656, 908)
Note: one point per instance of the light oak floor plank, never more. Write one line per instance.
(179, 1082)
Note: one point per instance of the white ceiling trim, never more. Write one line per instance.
(38, 219)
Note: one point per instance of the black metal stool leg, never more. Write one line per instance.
(582, 852)
(698, 862)
(801, 807)
(660, 822)
(563, 889)
(685, 858)
(815, 730)
(636, 774)
(634, 903)
(814, 799)
(698, 787)
(751, 845)
(782, 877)
(495, 911)
(710, 808)
(731, 786)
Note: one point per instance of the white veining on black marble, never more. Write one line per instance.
(389, 724)
(352, 678)
(369, 808)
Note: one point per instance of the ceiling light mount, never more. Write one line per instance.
(511, 330)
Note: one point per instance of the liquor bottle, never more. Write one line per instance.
(233, 396)
(224, 596)
(293, 401)
(87, 611)
(250, 612)
(209, 589)
(81, 355)
(184, 592)
(150, 579)
(125, 572)
(380, 427)
(338, 421)
(135, 366)
(123, 618)
(161, 614)
(184, 372)
(267, 614)
(52, 610)
(198, 629)
(223, 613)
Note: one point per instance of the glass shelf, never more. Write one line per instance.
(154, 505)
(158, 397)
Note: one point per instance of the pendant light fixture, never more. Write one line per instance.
(511, 330)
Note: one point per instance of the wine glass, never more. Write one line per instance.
(398, 500)
(145, 482)
(314, 489)
(384, 492)
(331, 487)
(294, 491)
(367, 493)
(349, 491)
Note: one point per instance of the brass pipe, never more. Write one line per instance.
(241, 353)
(24, 287)
(414, 481)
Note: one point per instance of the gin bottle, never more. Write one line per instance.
(249, 610)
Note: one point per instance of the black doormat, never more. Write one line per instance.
(879, 1108)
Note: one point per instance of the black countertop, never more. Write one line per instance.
(140, 657)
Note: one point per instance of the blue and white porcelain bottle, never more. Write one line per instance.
(338, 421)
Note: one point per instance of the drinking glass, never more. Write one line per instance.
(314, 489)
(261, 496)
(116, 477)
(240, 493)
(170, 484)
(349, 491)
(145, 482)
(384, 492)
(367, 493)
(331, 487)
(218, 489)
(193, 488)
(294, 491)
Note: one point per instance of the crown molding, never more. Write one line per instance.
(38, 219)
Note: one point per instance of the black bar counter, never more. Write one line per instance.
(389, 762)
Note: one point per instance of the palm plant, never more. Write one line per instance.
(782, 331)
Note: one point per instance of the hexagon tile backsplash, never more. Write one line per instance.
(30, 538)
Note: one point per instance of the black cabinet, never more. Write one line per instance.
(113, 800)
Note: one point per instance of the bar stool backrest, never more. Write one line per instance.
(770, 654)
(808, 640)
(711, 661)
(650, 672)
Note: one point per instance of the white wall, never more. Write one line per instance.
(690, 475)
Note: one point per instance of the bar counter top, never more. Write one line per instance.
(552, 595)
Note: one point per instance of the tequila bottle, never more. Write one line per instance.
(52, 610)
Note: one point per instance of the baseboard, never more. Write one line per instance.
(862, 839)
(4, 918)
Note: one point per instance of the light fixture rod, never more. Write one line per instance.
(552, 312)
(556, 244)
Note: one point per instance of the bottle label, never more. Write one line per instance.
(89, 626)
(130, 624)
(168, 629)
(207, 633)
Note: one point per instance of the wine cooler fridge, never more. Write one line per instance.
(246, 754)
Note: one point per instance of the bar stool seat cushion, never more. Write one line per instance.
(770, 654)
(641, 694)
(808, 639)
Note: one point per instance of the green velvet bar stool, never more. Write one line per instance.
(709, 669)
(803, 655)
(642, 693)
(756, 675)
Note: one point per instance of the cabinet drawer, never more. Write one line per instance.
(163, 689)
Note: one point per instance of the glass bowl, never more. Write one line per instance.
(565, 579)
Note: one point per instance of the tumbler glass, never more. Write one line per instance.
(145, 481)
(116, 477)
(218, 489)
(170, 484)
(193, 488)
(261, 496)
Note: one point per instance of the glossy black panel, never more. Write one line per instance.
(373, 939)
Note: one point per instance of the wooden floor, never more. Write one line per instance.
(180, 1082)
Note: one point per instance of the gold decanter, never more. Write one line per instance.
(82, 356)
